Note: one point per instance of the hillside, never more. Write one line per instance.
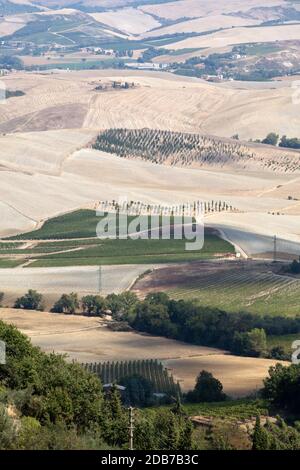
(178, 149)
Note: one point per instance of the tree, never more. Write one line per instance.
(7, 430)
(68, 303)
(121, 305)
(282, 387)
(289, 143)
(260, 437)
(207, 389)
(252, 343)
(154, 319)
(55, 390)
(94, 305)
(167, 431)
(295, 267)
(115, 421)
(271, 139)
(158, 298)
(30, 301)
(278, 352)
(139, 391)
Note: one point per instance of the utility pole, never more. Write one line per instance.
(275, 249)
(131, 427)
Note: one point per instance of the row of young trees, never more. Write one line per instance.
(152, 370)
(175, 148)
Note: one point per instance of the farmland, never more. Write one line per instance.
(89, 340)
(75, 244)
(152, 106)
(235, 287)
(110, 372)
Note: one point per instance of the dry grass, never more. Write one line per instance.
(53, 282)
(129, 20)
(41, 176)
(240, 36)
(198, 8)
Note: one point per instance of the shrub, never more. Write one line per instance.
(30, 301)
(68, 303)
(207, 389)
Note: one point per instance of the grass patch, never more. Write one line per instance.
(285, 341)
(78, 224)
(10, 263)
(135, 252)
(75, 236)
(231, 409)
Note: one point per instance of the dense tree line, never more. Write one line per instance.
(241, 333)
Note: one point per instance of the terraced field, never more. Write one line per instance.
(232, 287)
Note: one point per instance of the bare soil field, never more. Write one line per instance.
(88, 176)
(239, 36)
(129, 20)
(239, 375)
(198, 8)
(159, 100)
(201, 25)
(49, 172)
(11, 24)
(53, 282)
(89, 340)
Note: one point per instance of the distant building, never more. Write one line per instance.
(146, 66)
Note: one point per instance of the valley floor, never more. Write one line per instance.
(89, 340)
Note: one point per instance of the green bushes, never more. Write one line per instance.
(277, 436)
(68, 303)
(250, 343)
(282, 387)
(93, 305)
(56, 389)
(30, 301)
(241, 333)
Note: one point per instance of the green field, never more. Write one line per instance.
(134, 252)
(70, 240)
(78, 224)
(258, 293)
(10, 263)
(285, 341)
(231, 409)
